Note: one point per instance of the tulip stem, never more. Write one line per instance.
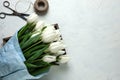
(32, 46)
(38, 53)
(34, 49)
(36, 60)
(40, 70)
(24, 29)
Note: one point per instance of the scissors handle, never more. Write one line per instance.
(6, 4)
(2, 15)
(15, 13)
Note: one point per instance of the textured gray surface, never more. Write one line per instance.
(91, 30)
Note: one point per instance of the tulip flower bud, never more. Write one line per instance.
(49, 29)
(55, 47)
(63, 59)
(49, 58)
(32, 18)
(58, 35)
(39, 26)
(49, 34)
(61, 52)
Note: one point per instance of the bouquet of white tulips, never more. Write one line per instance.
(42, 45)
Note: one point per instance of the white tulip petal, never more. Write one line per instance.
(49, 29)
(49, 58)
(33, 18)
(56, 46)
(60, 52)
(58, 32)
(63, 59)
(49, 34)
(48, 38)
(39, 25)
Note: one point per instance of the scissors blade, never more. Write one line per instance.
(23, 18)
(23, 14)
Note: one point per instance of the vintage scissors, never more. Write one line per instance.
(15, 13)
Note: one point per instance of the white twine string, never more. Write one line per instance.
(31, 4)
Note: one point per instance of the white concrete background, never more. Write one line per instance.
(91, 31)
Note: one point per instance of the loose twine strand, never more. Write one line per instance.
(31, 4)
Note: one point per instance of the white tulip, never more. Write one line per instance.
(49, 29)
(49, 58)
(58, 32)
(60, 52)
(58, 35)
(55, 47)
(39, 26)
(63, 59)
(49, 34)
(33, 18)
(48, 38)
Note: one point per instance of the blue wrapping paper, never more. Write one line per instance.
(12, 65)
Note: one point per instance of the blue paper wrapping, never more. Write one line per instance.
(12, 65)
